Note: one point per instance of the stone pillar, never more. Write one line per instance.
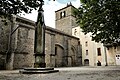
(65, 54)
(69, 53)
(52, 56)
(39, 47)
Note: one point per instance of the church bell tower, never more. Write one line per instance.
(65, 19)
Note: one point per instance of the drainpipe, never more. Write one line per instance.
(105, 56)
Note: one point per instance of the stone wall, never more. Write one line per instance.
(25, 48)
(61, 49)
(16, 43)
(24, 52)
(4, 40)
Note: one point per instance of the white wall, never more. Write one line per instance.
(92, 48)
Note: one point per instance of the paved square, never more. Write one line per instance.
(73, 73)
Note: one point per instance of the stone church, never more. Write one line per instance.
(61, 48)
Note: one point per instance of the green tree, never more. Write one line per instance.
(9, 7)
(101, 18)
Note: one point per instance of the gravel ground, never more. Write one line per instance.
(71, 73)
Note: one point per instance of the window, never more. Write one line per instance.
(75, 31)
(55, 50)
(99, 51)
(62, 14)
(118, 55)
(86, 52)
(86, 43)
(78, 42)
(72, 23)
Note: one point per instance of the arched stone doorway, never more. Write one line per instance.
(86, 62)
(70, 61)
(72, 58)
(59, 58)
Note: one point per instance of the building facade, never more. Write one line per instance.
(62, 50)
(97, 54)
(113, 54)
(93, 53)
(17, 45)
(65, 46)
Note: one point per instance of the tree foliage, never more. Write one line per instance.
(101, 18)
(18, 6)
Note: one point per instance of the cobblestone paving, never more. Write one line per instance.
(76, 73)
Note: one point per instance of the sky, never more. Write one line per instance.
(50, 7)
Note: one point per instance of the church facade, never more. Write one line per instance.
(17, 44)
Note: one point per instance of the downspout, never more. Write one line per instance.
(105, 56)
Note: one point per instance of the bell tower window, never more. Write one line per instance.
(62, 14)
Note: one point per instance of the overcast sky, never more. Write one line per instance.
(50, 7)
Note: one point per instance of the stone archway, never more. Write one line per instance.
(86, 62)
(59, 58)
(72, 57)
(70, 61)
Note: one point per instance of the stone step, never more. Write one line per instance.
(38, 70)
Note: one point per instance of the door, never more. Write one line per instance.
(86, 62)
